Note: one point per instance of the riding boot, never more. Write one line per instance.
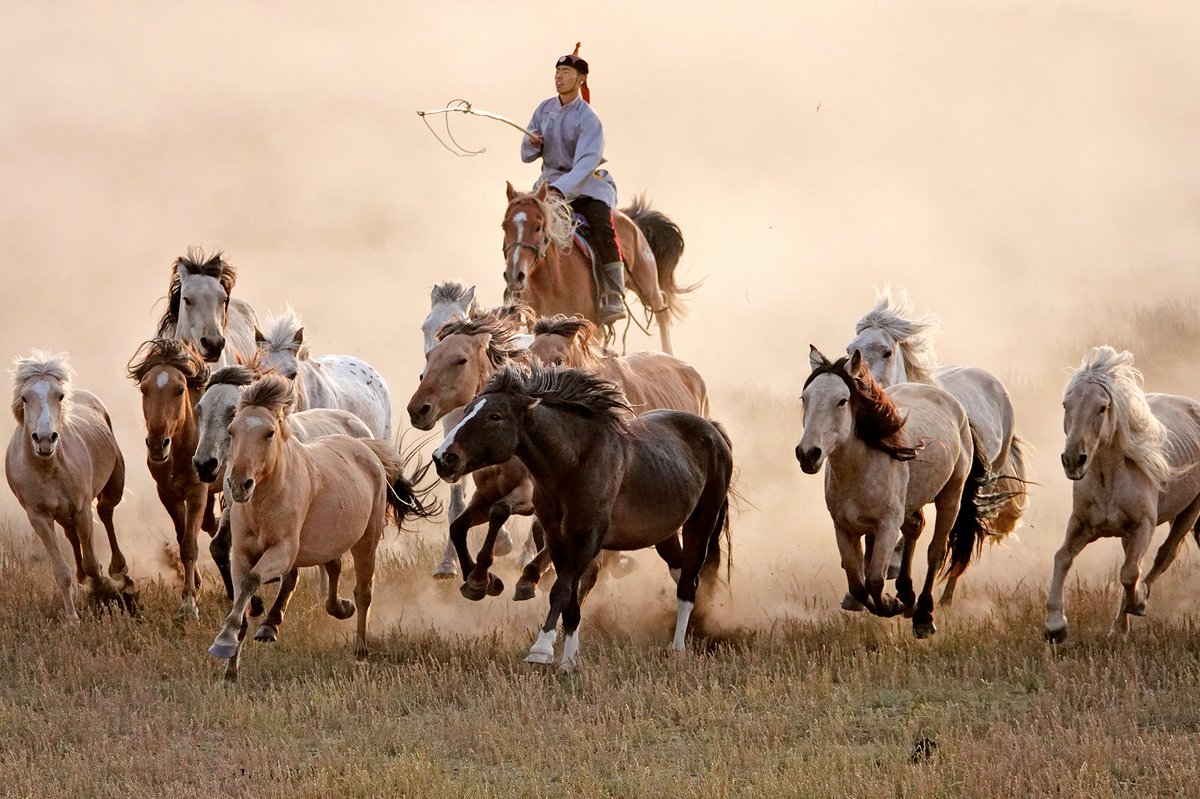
(612, 292)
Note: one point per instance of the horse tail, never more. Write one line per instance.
(666, 242)
(406, 497)
(723, 525)
(977, 511)
(1012, 479)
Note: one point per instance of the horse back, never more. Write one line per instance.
(1181, 417)
(351, 384)
(988, 406)
(317, 422)
(655, 380)
(936, 418)
(344, 492)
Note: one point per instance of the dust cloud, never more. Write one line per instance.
(1028, 171)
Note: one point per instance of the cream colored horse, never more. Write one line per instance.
(305, 504)
(1135, 461)
(889, 455)
(61, 458)
(201, 311)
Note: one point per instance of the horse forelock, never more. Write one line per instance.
(577, 330)
(280, 334)
(895, 317)
(877, 420)
(450, 291)
(557, 216)
(272, 392)
(172, 353)
(236, 375)
(502, 345)
(564, 387)
(1140, 434)
(39, 365)
(195, 262)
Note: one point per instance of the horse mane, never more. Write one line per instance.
(450, 291)
(502, 344)
(877, 420)
(563, 387)
(39, 364)
(237, 375)
(518, 312)
(895, 317)
(280, 334)
(1140, 434)
(559, 217)
(196, 263)
(576, 328)
(271, 392)
(168, 352)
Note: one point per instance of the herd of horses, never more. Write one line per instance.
(289, 460)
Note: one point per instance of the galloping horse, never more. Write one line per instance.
(897, 349)
(61, 457)
(1135, 462)
(603, 480)
(201, 311)
(330, 381)
(170, 375)
(876, 486)
(298, 504)
(544, 268)
(214, 413)
(448, 302)
(468, 353)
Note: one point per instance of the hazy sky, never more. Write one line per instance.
(1028, 170)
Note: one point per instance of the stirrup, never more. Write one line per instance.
(610, 313)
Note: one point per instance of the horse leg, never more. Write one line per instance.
(363, 553)
(188, 551)
(1056, 621)
(73, 539)
(268, 631)
(276, 561)
(447, 569)
(335, 606)
(480, 582)
(904, 582)
(476, 513)
(110, 495)
(883, 546)
(44, 527)
(664, 328)
(671, 551)
(580, 561)
(218, 547)
(1180, 526)
(1136, 542)
(531, 574)
(570, 562)
(102, 588)
(240, 569)
(533, 544)
(946, 504)
(852, 563)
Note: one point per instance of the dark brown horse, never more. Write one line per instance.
(544, 267)
(602, 480)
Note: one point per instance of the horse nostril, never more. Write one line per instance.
(1082, 458)
(449, 459)
(520, 277)
(35, 438)
(248, 484)
(53, 437)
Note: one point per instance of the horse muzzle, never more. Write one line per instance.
(1075, 465)
(158, 452)
(206, 470)
(240, 488)
(44, 446)
(422, 417)
(449, 466)
(810, 459)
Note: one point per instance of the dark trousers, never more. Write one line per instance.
(602, 235)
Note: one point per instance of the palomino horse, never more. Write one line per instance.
(877, 487)
(330, 381)
(201, 311)
(1135, 461)
(544, 267)
(214, 413)
(468, 353)
(61, 457)
(305, 504)
(170, 375)
(897, 349)
(603, 480)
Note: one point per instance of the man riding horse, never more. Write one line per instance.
(569, 139)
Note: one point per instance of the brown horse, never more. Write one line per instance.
(306, 504)
(546, 269)
(602, 480)
(468, 353)
(62, 456)
(170, 375)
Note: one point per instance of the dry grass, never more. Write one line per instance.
(828, 707)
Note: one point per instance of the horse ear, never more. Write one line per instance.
(468, 298)
(815, 359)
(541, 192)
(298, 339)
(511, 191)
(857, 365)
(532, 402)
(259, 338)
(484, 340)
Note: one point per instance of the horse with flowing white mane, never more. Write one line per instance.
(214, 413)
(876, 486)
(330, 381)
(62, 457)
(306, 504)
(1135, 462)
(201, 311)
(896, 346)
(545, 268)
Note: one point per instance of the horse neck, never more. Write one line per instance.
(283, 480)
(550, 443)
(550, 289)
(854, 458)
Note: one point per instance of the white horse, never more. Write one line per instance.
(330, 381)
(201, 311)
(1135, 460)
(891, 453)
(61, 458)
(897, 348)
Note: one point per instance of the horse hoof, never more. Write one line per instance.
(504, 544)
(187, 613)
(890, 607)
(256, 606)
(343, 610)
(523, 591)
(495, 585)
(1137, 610)
(1058, 636)
(924, 629)
(540, 658)
(568, 666)
(220, 650)
(446, 571)
(266, 634)
(473, 591)
(851, 604)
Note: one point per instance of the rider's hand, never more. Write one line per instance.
(536, 140)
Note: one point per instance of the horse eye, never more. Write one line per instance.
(841, 402)
(463, 362)
(179, 392)
(1103, 408)
(270, 434)
(186, 301)
(887, 353)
